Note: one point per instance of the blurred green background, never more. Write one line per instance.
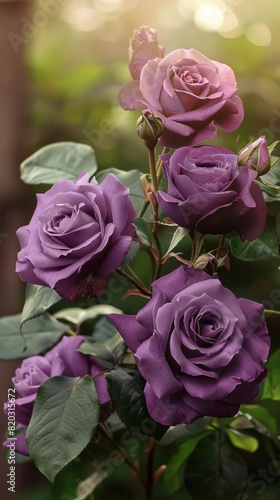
(65, 61)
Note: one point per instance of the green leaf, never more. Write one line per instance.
(178, 235)
(172, 474)
(143, 231)
(261, 419)
(278, 232)
(104, 329)
(108, 353)
(131, 180)
(130, 256)
(78, 315)
(242, 441)
(265, 247)
(272, 382)
(214, 470)
(59, 161)
(182, 433)
(38, 299)
(128, 399)
(64, 419)
(35, 337)
(272, 177)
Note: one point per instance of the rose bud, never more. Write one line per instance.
(143, 47)
(206, 262)
(149, 128)
(256, 155)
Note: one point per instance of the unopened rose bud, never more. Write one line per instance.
(205, 261)
(256, 155)
(142, 48)
(149, 128)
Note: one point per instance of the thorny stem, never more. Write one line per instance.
(153, 172)
(220, 246)
(197, 242)
(158, 174)
(139, 285)
(159, 164)
(150, 469)
(193, 251)
(153, 169)
(159, 254)
(109, 436)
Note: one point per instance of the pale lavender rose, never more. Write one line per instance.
(200, 349)
(143, 47)
(207, 191)
(62, 360)
(188, 91)
(78, 235)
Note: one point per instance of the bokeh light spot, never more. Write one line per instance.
(209, 17)
(259, 34)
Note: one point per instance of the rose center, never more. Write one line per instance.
(188, 78)
(27, 373)
(206, 164)
(61, 221)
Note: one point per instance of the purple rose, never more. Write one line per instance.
(78, 235)
(143, 47)
(207, 191)
(63, 360)
(188, 91)
(199, 348)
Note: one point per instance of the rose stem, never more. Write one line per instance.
(159, 174)
(193, 251)
(150, 469)
(153, 172)
(270, 311)
(141, 287)
(71, 332)
(143, 209)
(221, 244)
(109, 436)
(133, 275)
(159, 164)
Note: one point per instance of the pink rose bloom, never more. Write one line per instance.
(188, 91)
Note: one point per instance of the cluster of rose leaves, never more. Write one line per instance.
(200, 350)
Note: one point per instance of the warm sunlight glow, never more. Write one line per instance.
(83, 18)
(209, 17)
